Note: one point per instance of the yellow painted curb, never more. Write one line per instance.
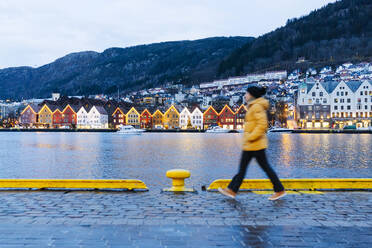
(129, 184)
(269, 192)
(311, 192)
(300, 183)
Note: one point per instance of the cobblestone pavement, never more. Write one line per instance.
(182, 236)
(203, 219)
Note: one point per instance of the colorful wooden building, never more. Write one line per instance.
(146, 119)
(46, 115)
(69, 116)
(227, 118)
(29, 116)
(210, 117)
(239, 117)
(133, 118)
(57, 118)
(171, 118)
(196, 118)
(157, 119)
(119, 117)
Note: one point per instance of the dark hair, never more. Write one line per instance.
(256, 91)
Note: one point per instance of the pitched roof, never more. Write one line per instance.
(34, 107)
(101, 110)
(212, 108)
(353, 85)
(309, 86)
(329, 86)
(160, 110)
(52, 107)
(194, 108)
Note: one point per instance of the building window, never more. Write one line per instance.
(346, 93)
(348, 107)
(342, 107)
(361, 93)
(338, 93)
(335, 107)
(313, 94)
(349, 100)
(321, 94)
(336, 100)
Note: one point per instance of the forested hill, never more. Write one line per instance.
(336, 33)
(129, 68)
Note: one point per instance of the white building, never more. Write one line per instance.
(97, 117)
(197, 118)
(82, 118)
(185, 116)
(335, 104)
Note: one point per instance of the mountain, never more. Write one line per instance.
(135, 67)
(337, 33)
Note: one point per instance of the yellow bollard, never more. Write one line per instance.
(178, 180)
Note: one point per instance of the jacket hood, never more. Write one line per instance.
(261, 101)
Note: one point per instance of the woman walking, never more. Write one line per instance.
(255, 143)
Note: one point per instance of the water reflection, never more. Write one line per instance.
(207, 156)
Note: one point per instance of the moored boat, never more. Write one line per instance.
(130, 130)
(217, 129)
(279, 129)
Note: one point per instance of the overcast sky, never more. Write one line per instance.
(37, 32)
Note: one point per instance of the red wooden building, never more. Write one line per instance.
(210, 118)
(69, 117)
(146, 119)
(227, 118)
(57, 118)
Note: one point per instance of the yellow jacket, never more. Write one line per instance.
(255, 125)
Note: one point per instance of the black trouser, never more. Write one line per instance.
(262, 161)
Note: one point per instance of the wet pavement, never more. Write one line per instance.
(203, 219)
(182, 236)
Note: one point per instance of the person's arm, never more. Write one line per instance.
(260, 117)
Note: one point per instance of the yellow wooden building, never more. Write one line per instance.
(171, 118)
(45, 116)
(133, 118)
(157, 119)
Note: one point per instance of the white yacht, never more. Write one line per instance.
(279, 129)
(217, 129)
(130, 130)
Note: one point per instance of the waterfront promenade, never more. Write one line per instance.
(202, 219)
